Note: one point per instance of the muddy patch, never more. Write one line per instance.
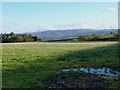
(77, 80)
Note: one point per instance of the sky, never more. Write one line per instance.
(22, 17)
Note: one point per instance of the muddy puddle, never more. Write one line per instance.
(104, 71)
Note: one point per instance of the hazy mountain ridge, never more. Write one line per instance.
(62, 34)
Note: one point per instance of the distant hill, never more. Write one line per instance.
(62, 34)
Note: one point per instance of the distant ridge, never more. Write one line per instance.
(62, 34)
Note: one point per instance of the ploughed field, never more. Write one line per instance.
(38, 65)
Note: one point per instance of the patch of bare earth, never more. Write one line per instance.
(76, 80)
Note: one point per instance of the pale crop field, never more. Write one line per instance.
(26, 63)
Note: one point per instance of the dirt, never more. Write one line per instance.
(76, 80)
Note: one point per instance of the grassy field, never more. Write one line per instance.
(26, 64)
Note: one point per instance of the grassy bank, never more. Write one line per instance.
(24, 64)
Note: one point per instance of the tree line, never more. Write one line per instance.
(97, 37)
(11, 37)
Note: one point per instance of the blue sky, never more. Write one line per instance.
(35, 16)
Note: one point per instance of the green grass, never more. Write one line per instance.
(24, 64)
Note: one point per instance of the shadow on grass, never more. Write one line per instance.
(99, 57)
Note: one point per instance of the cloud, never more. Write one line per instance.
(83, 25)
(17, 28)
(112, 9)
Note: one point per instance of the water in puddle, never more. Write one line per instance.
(104, 71)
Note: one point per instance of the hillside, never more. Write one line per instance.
(62, 34)
(92, 37)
